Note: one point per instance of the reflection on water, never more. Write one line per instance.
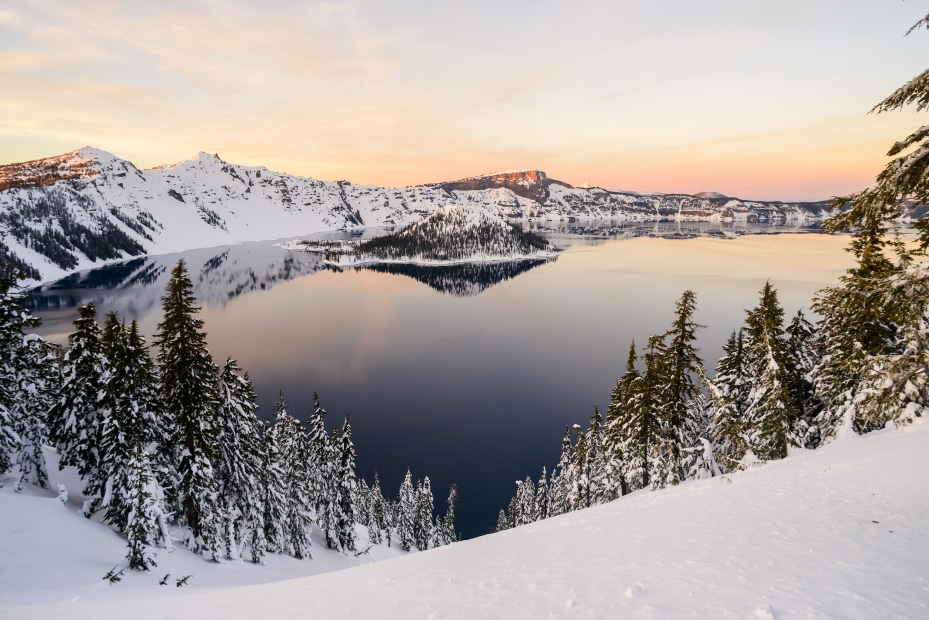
(474, 389)
(462, 280)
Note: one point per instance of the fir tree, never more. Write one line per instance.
(598, 482)
(190, 401)
(274, 494)
(347, 484)
(145, 521)
(422, 521)
(406, 513)
(802, 357)
(293, 450)
(562, 479)
(541, 497)
(448, 535)
(769, 411)
(76, 418)
(728, 400)
(238, 464)
(617, 434)
(378, 524)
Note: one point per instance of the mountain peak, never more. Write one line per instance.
(532, 184)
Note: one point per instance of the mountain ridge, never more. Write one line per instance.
(53, 209)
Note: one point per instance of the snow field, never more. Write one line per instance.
(841, 532)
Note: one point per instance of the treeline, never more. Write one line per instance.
(863, 365)
(170, 448)
(453, 233)
(43, 222)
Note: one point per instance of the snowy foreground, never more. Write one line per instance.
(842, 532)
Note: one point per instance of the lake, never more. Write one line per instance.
(467, 375)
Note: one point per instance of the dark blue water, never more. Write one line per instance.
(467, 375)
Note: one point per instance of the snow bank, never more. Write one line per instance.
(842, 532)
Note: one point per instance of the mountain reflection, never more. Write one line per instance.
(462, 280)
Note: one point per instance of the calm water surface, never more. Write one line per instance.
(467, 376)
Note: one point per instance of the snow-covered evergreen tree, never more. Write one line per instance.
(598, 483)
(562, 479)
(447, 531)
(406, 513)
(622, 467)
(541, 497)
(378, 523)
(347, 484)
(189, 397)
(237, 466)
(728, 400)
(76, 418)
(422, 521)
(803, 355)
(293, 449)
(769, 410)
(580, 491)
(146, 524)
(275, 500)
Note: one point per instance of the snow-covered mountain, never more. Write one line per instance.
(77, 210)
(840, 532)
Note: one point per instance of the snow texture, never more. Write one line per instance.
(841, 532)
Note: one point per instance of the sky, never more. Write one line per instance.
(761, 99)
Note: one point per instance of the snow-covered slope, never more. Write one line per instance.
(842, 532)
(70, 212)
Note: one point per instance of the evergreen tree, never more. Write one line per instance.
(189, 396)
(562, 479)
(145, 522)
(239, 459)
(292, 445)
(274, 497)
(580, 491)
(641, 429)
(802, 356)
(681, 401)
(379, 513)
(76, 417)
(406, 513)
(728, 401)
(541, 497)
(422, 521)
(347, 484)
(448, 535)
(617, 434)
(769, 411)
(598, 483)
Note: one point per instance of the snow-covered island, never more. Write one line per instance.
(451, 235)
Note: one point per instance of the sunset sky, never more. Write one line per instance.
(759, 99)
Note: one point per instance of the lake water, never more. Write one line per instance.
(465, 375)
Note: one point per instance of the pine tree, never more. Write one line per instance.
(802, 357)
(131, 421)
(28, 382)
(562, 479)
(293, 450)
(681, 402)
(641, 429)
(448, 535)
(422, 521)
(76, 418)
(146, 524)
(406, 513)
(238, 464)
(320, 455)
(274, 497)
(580, 491)
(189, 395)
(541, 497)
(728, 401)
(379, 513)
(347, 484)
(769, 411)
(598, 483)
(617, 435)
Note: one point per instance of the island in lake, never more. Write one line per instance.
(449, 236)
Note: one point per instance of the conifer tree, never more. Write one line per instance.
(802, 357)
(580, 492)
(189, 396)
(448, 535)
(321, 461)
(541, 497)
(146, 524)
(406, 513)
(641, 428)
(238, 464)
(769, 411)
(681, 402)
(422, 523)
(292, 445)
(274, 497)
(562, 478)
(617, 434)
(379, 513)
(347, 484)
(598, 483)
(728, 400)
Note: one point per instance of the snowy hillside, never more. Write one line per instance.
(842, 532)
(70, 212)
